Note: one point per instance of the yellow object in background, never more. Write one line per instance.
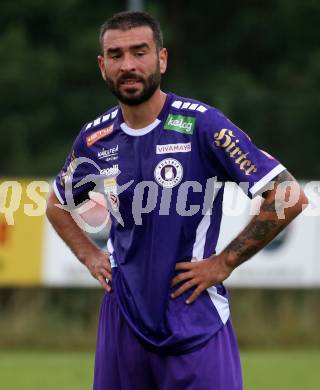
(21, 232)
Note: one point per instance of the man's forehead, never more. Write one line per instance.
(117, 38)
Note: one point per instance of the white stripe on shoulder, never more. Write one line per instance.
(258, 187)
(188, 106)
(176, 104)
(114, 114)
(101, 119)
(97, 121)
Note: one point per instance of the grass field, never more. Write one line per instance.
(73, 371)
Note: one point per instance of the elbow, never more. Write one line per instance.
(296, 207)
(51, 205)
(294, 201)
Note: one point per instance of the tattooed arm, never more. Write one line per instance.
(280, 206)
(275, 214)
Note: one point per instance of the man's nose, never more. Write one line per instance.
(128, 63)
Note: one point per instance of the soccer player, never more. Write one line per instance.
(161, 160)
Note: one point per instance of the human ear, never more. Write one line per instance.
(102, 66)
(163, 59)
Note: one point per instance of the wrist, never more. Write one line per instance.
(85, 254)
(229, 260)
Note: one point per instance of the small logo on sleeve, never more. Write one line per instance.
(226, 140)
(93, 138)
(180, 123)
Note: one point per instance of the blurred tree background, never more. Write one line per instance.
(259, 62)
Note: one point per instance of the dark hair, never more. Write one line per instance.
(130, 19)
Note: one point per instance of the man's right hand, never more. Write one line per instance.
(82, 246)
(100, 268)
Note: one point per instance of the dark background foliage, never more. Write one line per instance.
(259, 62)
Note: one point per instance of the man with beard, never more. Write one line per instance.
(164, 320)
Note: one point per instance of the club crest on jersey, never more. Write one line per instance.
(168, 173)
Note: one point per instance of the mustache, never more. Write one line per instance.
(129, 76)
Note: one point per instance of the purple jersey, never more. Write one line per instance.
(161, 186)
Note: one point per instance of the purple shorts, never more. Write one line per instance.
(124, 363)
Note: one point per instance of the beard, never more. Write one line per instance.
(133, 97)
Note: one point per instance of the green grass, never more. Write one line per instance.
(46, 371)
(294, 370)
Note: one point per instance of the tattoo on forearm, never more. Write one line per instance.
(283, 176)
(269, 207)
(278, 203)
(256, 235)
(240, 248)
(259, 230)
(263, 227)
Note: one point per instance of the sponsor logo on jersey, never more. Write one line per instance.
(112, 171)
(226, 140)
(168, 173)
(93, 138)
(111, 192)
(182, 124)
(173, 148)
(110, 154)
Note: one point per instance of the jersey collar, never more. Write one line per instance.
(145, 130)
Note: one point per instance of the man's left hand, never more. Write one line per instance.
(200, 274)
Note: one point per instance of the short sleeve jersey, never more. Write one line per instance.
(164, 188)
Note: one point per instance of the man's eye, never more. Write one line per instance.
(140, 53)
(114, 56)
